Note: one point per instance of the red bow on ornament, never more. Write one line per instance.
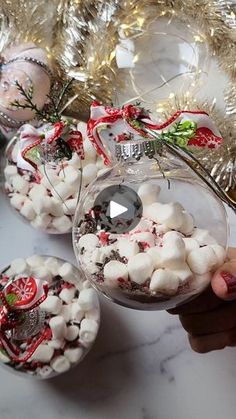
(185, 128)
(18, 298)
(51, 142)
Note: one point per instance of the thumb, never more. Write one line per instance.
(224, 281)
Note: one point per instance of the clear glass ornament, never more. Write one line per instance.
(47, 338)
(152, 269)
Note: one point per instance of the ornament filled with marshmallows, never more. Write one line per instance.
(148, 233)
(49, 316)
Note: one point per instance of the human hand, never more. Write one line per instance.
(210, 319)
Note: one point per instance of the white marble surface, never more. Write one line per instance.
(141, 366)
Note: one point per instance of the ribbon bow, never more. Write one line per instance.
(185, 128)
(53, 141)
(18, 298)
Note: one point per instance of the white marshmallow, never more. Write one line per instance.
(220, 254)
(187, 225)
(19, 266)
(35, 261)
(42, 272)
(74, 354)
(145, 238)
(114, 270)
(58, 327)
(169, 214)
(60, 364)
(43, 353)
(88, 242)
(183, 272)
(155, 253)
(86, 284)
(203, 237)
(148, 193)
(45, 371)
(67, 294)
(40, 204)
(50, 179)
(127, 248)
(52, 304)
(162, 228)
(202, 260)
(70, 175)
(41, 221)
(88, 330)
(164, 281)
(171, 237)
(62, 224)
(56, 343)
(173, 253)
(76, 312)
(89, 173)
(89, 151)
(190, 244)
(200, 282)
(67, 272)
(66, 312)
(88, 299)
(37, 190)
(53, 265)
(72, 332)
(93, 314)
(17, 200)
(100, 254)
(69, 206)
(54, 206)
(63, 191)
(10, 171)
(20, 184)
(75, 161)
(140, 268)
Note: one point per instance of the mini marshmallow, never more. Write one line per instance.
(89, 173)
(66, 271)
(145, 238)
(220, 254)
(20, 184)
(60, 364)
(45, 371)
(100, 254)
(19, 266)
(155, 253)
(172, 236)
(67, 294)
(72, 332)
(52, 304)
(75, 161)
(43, 353)
(54, 206)
(10, 171)
(88, 330)
(74, 354)
(88, 299)
(200, 282)
(190, 244)
(37, 190)
(140, 268)
(76, 312)
(58, 327)
(62, 224)
(183, 272)
(49, 178)
(63, 191)
(127, 248)
(41, 221)
(203, 237)
(148, 193)
(69, 206)
(164, 281)
(66, 312)
(70, 175)
(42, 272)
(114, 270)
(53, 265)
(17, 200)
(88, 242)
(202, 260)
(35, 261)
(93, 314)
(187, 225)
(89, 151)
(169, 214)
(173, 253)
(56, 343)
(27, 210)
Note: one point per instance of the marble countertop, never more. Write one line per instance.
(141, 366)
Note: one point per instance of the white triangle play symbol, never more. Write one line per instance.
(116, 209)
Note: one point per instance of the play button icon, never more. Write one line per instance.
(118, 209)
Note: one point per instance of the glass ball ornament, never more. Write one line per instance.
(50, 316)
